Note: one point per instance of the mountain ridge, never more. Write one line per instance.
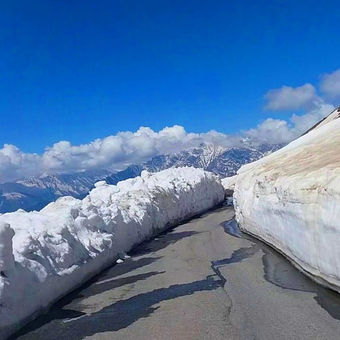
(221, 161)
(35, 192)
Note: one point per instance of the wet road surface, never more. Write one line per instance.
(202, 280)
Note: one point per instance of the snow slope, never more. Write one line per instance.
(56, 249)
(291, 200)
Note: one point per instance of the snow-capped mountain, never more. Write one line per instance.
(35, 192)
(75, 184)
(221, 161)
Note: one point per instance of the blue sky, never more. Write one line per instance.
(79, 70)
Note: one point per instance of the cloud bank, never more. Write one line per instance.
(125, 148)
(282, 131)
(291, 98)
(116, 151)
(120, 150)
(316, 103)
(330, 85)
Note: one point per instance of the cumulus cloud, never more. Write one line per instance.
(282, 131)
(273, 130)
(306, 98)
(116, 151)
(125, 148)
(15, 164)
(304, 122)
(291, 98)
(330, 85)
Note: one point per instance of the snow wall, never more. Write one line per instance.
(291, 200)
(46, 254)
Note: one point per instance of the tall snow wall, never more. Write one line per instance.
(46, 254)
(291, 200)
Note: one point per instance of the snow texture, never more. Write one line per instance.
(6, 248)
(229, 187)
(229, 183)
(291, 200)
(59, 247)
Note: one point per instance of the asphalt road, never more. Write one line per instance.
(202, 280)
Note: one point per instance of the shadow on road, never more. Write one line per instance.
(122, 313)
(69, 306)
(161, 241)
(65, 320)
(126, 312)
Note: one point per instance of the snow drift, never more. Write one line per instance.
(45, 254)
(291, 200)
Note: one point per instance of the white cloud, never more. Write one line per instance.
(304, 97)
(125, 148)
(281, 131)
(120, 150)
(14, 163)
(116, 151)
(273, 130)
(303, 123)
(330, 85)
(291, 98)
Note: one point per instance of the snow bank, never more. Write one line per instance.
(291, 200)
(229, 183)
(70, 240)
(6, 248)
(229, 187)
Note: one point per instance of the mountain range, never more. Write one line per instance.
(35, 192)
